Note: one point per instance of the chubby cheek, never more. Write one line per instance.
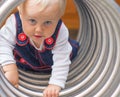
(50, 31)
(27, 29)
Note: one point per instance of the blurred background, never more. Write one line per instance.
(71, 18)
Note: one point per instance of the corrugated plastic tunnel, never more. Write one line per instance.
(96, 70)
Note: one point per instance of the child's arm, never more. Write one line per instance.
(61, 64)
(52, 91)
(11, 73)
(7, 42)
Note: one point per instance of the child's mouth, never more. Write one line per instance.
(37, 36)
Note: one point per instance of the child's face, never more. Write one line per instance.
(39, 25)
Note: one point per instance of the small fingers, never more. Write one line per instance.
(16, 85)
(51, 93)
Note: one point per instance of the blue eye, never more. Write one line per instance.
(47, 23)
(32, 21)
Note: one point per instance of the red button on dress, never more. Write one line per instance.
(22, 37)
(22, 60)
(49, 41)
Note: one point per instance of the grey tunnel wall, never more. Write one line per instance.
(96, 70)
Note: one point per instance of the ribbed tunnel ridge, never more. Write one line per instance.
(96, 70)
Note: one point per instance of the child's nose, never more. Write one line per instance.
(39, 29)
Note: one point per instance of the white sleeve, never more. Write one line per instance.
(61, 58)
(7, 41)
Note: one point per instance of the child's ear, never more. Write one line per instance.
(19, 10)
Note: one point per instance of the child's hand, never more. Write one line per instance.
(11, 74)
(51, 91)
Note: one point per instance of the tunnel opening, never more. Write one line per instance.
(95, 71)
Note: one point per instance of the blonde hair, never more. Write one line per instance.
(44, 4)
